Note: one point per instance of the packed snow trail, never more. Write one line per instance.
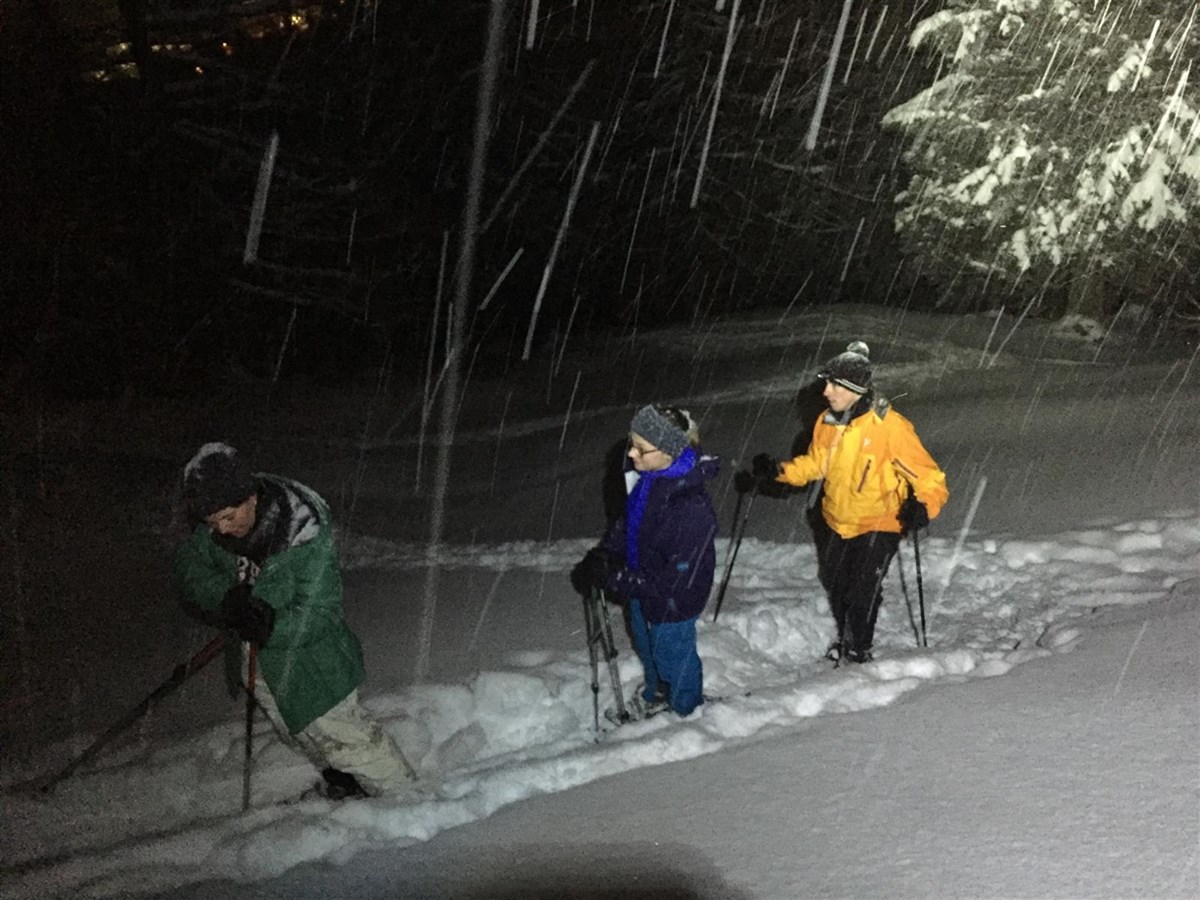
(154, 816)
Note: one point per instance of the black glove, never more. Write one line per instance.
(913, 515)
(764, 467)
(249, 616)
(590, 572)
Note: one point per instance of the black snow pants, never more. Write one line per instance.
(852, 571)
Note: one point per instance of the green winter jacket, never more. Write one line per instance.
(312, 660)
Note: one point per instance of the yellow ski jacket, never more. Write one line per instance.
(867, 465)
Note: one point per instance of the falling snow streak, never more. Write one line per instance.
(716, 100)
(562, 438)
(991, 334)
(1169, 407)
(282, 352)
(566, 334)
(483, 304)
(558, 239)
(875, 33)
(464, 273)
(862, 20)
(787, 62)
(265, 170)
(958, 545)
(616, 121)
(427, 400)
(1016, 324)
(636, 219)
(538, 145)
(850, 252)
(1128, 659)
(350, 238)
(810, 142)
(553, 514)
(499, 444)
(483, 611)
(531, 29)
(662, 44)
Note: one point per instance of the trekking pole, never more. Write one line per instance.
(592, 630)
(737, 512)
(599, 632)
(912, 622)
(182, 673)
(610, 652)
(248, 762)
(737, 545)
(920, 585)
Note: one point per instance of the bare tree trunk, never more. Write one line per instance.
(464, 273)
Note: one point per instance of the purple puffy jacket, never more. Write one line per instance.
(676, 556)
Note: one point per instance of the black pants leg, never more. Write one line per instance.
(856, 568)
(821, 533)
(832, 563)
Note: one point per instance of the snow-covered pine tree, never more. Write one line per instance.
(1058, 138)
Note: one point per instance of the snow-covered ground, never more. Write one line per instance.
(1030, 444)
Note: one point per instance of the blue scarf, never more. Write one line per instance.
(635, 503)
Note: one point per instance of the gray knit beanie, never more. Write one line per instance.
(660, 431)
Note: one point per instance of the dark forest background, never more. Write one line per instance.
(133, 138)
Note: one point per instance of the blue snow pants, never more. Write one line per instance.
(668, 654)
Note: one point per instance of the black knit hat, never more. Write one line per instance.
(216, 478)
(852, 369)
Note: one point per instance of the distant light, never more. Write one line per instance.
(123, 70)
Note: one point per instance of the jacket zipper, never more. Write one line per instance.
(863, 482)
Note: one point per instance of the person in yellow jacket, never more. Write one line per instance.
(879, 482)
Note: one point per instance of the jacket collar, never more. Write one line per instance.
(865, 404)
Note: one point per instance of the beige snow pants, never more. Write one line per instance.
(347, 737)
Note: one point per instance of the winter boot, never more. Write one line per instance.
(641, 708)
(858, 656)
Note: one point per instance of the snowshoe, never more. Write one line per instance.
(614, 716)
(637, 708)
(339, 785)
(858, 656)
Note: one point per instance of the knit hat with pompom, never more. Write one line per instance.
(851, 369)
(216, 478)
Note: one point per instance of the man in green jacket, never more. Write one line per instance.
(261, 562)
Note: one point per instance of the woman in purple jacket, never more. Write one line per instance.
(660, 556)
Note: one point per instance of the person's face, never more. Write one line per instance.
(646, 457)
(840, 398)
(234, 521)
